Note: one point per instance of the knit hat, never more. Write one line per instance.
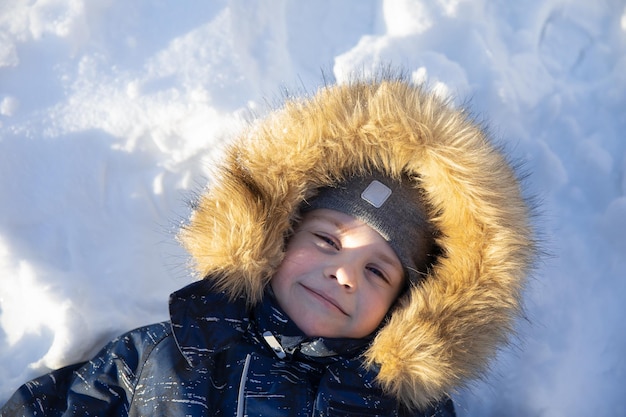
(393, 208)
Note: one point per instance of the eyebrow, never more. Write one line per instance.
(389, 260)
(339, 225)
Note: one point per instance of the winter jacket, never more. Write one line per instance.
(215, 358)
(443, 332)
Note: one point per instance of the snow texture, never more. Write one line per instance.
(111, 113)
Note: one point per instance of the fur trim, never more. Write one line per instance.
(445, 331)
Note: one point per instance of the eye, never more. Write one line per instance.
(327, 240)
(378, 272)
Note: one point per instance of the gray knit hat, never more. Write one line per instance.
(393, 208)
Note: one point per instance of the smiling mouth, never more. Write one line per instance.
(326, 300)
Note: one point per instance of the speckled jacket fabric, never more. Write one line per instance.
(441, 334)
(214, 359)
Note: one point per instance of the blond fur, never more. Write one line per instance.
(443, 332)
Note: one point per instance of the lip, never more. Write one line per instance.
(327, 299)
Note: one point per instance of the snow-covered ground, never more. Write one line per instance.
(111, 112)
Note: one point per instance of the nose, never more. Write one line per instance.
(345, 274)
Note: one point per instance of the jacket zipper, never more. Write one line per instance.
(273, 343)
(242, 386)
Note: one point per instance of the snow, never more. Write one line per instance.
(112, 111)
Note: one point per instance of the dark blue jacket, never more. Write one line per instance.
(216, 358)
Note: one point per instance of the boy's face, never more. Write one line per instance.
(339, 276)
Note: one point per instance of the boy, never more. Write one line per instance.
(363, 253)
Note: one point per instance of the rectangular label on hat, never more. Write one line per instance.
(376, 193)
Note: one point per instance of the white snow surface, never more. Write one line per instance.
(111, 113)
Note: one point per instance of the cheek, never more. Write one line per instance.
(281, 277)
(378, 304)
(293, 265)
(281, 284)
(299, 256)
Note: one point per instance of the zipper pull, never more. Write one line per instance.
(273, 343)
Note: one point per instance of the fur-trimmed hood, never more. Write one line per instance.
(445, 331)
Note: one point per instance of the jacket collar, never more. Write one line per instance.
(269, 317)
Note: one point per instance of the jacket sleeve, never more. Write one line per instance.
(102, 386)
